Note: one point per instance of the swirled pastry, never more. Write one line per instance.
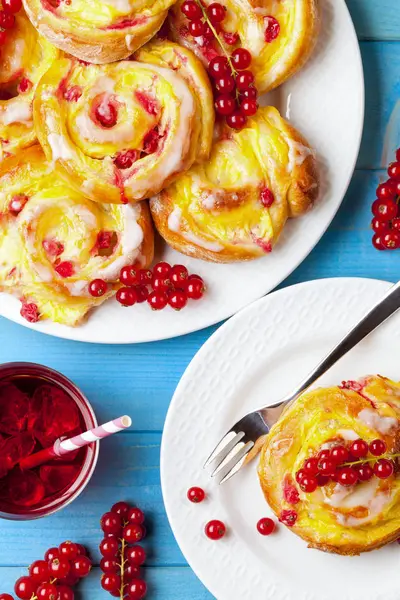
(53, 241)
(234, 206)
(25, 56)
(98, 31)
(344, 519)
(119, 132)
(280, 35)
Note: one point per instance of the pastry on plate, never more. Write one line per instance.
(234, 206)
(118, 132)
(347, 499)
(98, 31)
(25, 56)
(54, 241)
(279, 35)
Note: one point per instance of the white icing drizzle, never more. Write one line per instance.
(122, 6)
(354, 496)
(174, 224)
(209, 200)
(43, 272)
(348, 434)
(77, 288)
(59, 147)
(86, 215)
(128, 41)
(297, 153)
(17, 111)
(121, 132)
(374, 420)
(376, 507)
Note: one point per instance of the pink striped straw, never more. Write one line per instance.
(62, 447)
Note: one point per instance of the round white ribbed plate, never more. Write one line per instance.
(325, 98)
(255, 359)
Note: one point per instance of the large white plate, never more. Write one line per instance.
(326, 101)
(253, 360)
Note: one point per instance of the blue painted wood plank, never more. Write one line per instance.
(170, 583)
(376, 20)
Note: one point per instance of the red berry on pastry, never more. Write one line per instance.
(377, 447)
(236, 120)
(225, 84)
(73, 93)
(346, 476)
(322, 479)
(225, 105)
(394, 170)
(249, 107)
(191, 10)
(325, 453)
(157, 300)
(386, 210)
(359, 448)
(326, 466)
(364, 471)
(208, 32)
(53, 247)
(377, 242)
(267, 197)
(126, 296)
(106, 114)
(230, 38)
(215, 530)
(288, 517)
(129, 275)
(24, 85)
(265, 526)
(308, 484)
(196, 28)
(386, 191)
(218, 66)
(17, 204)
(12, 6)
(272, 29)
(311, 466)
(65, 269)
(241, 58)
(249, 93)
(97, 288)
(340, 454)
(196, 495)
(216, 12)
(391, 240)
(124, 160)
(7, 20)
(300, 475)
(383, 468)
(177, 299)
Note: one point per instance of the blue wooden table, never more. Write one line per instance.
(140, 379)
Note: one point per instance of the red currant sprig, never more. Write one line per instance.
(386, 210)
(121, 561)
(236, 95)
(7, 18)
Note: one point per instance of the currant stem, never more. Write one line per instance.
(368, 460)
(122, 568)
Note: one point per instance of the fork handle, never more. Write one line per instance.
(384, 309)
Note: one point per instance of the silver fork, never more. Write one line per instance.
(243, 441)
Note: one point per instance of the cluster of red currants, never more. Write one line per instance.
(7, 18)
(345, 466)
(386, 210)
(121, 562)
(235, 93)
(216, 529)
(53, 577)
(162, 286)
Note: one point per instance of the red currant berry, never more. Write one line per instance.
(191, 10)
(339, 455)
(288, 517)
(111, 582)
(111, 522)
(142, 293)
(386, 191)
(379, 226)
(394, 170)
(326, 466)
(244, 80)
(249, 107)
(64, 593)
(383, 468)
(17, 204)
(59, 567)
(97, 288)
(69, 580)
(377, 447)
(135, 555)
(215, 530)
(157, 300)
(81, 566)
(225, 105)
(126, 296)
(359, 448)
(250, 93)
(364, 472)
(133, 533)
(121, 509)
(6, 597)
(25, 588)
(177, 299)
(398, 154)
(241, 59)
(322, 479)
(7, 20)
(231, 38)
(225, 84)
(109, 546)
(347, 476)
(51, 553)
(81, 550)
(125, 159)
(216, 12)
(218, 66)
(385, 210)
(145, 276)
(272, 29)
(377, 242)
(47, 591)
(131, 572)
(109, 565)
(179, 274)
(208, 32)
(300, 475)
(129, 276)
(396, 224)
(68, 550)
(265, 526)
(135, 515)
(39, 571)
(136, 589)
(196, 495)
(162, 269)
(196, 28)
(236, 120)
(325, 453)
(311, 466)
(391, 240)
(308, 484)
(195, 288)
(161, 284)
(106, 114)
(12, 6)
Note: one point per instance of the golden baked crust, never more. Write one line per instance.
(98, 31)
(334, 518)
(58, 225)
(156, 122)
(218, 211)
(246, 24)
(25, 56)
